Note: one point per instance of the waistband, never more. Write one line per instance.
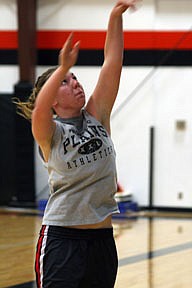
(73, 233)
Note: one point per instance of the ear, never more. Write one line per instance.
(54, 104)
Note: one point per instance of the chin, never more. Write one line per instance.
(82, 102)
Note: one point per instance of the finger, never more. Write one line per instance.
(75, 49)
(70, 37)
(76, 46)
(68, 43)
(133, 5)
(130, 3)
(126, 4)
(136, 4)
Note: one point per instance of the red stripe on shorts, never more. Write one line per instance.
(38, 254)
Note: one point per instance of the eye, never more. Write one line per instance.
(64, 82)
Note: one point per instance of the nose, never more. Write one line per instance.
(75, 83)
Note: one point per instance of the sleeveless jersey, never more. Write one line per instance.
(82, 174)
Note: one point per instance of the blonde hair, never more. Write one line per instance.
(25, 109)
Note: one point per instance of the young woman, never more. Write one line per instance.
(76, 247)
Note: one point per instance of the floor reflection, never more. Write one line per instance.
(154, 252)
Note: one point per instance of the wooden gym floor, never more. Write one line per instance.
(155, 250)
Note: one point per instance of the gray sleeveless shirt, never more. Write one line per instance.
(82, 174)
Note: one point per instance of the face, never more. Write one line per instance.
(70, 94)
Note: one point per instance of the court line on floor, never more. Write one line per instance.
(134, 259)
(24, 285)
(153, 254)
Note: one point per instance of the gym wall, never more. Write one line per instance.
(154, 91)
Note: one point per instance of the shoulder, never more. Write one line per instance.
(56, 138)
(104, 121)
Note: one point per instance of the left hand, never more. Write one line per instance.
(122, 5)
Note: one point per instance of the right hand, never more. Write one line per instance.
(69, 53)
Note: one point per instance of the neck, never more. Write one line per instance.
(69, 114)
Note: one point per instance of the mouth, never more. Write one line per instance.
(80, 94)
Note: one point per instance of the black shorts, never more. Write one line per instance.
(75, 258)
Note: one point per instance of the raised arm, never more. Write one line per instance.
(42, 116)
(102, 100)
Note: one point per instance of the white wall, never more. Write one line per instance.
(173, 88)
(9, 75)
(164, 99)
(8, 15)
(173, 155)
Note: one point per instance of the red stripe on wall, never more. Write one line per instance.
(8, 40)
(55, 39)
(179, 40)
(158, 40)
(132, 39)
